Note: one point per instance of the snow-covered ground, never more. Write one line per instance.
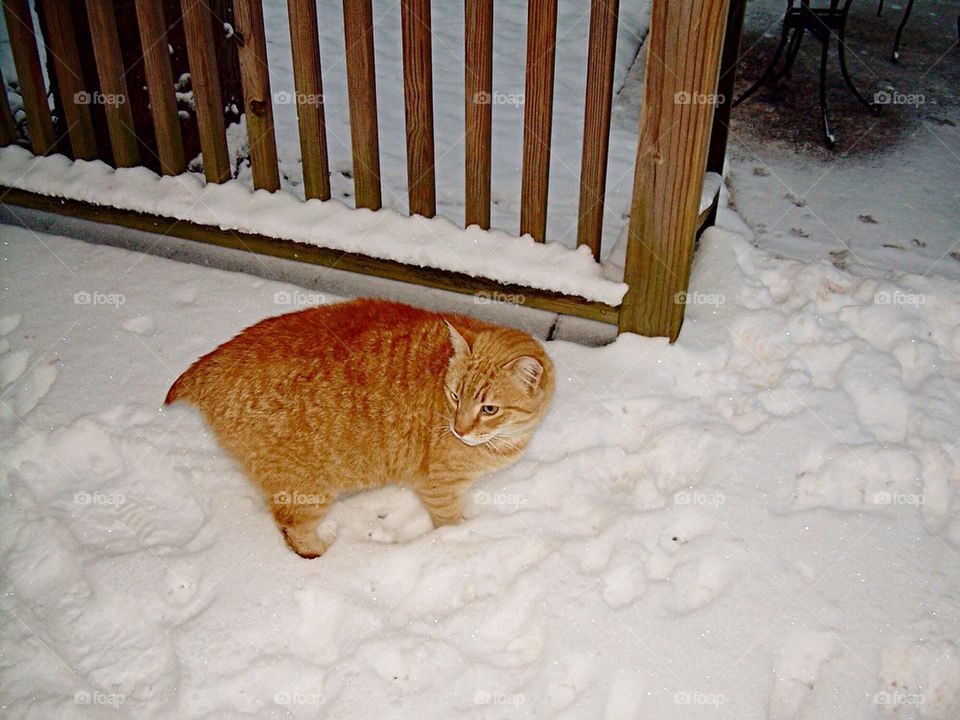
(760, 521)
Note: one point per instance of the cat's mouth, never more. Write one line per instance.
(467, 440)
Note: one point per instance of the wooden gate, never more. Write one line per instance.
(686, 43)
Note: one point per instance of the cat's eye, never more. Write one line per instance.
(489, 409)
(453, 395)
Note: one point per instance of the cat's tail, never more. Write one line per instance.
(181, 388)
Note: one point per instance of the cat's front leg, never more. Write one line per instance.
(443, 498)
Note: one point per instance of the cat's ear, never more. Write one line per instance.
(460, 344)
(527, 370)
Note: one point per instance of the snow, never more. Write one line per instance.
(758, 521)
(415, 240)
(761, 520)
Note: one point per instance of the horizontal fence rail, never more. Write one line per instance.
(673, 139)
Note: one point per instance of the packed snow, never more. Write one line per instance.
(759, 521)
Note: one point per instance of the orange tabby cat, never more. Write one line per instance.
(345, 397)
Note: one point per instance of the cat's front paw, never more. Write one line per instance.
(306, 544)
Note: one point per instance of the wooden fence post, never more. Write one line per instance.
(683, 67)
(258, 104)
(74, 99)
(308, 95)
(601, 59)
(205, 81)
(163, 99)
(8, 130)
(726, 86)
(26, 57)
(362, 96)
(418, 106)
(110, 71)
(538, 116)
(478, 101)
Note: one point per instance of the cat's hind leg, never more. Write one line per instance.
(298, 520)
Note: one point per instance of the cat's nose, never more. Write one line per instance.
(461, 426)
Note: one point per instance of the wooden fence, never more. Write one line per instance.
(677, 141)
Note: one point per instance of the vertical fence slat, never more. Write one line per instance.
(725, 86)
(110, 70)
(418, 106)
(538, 116)
(163, 99)
(26, 58)
(684, 58)
(362, 91)
(255, 77)
(478, 93)
(74, 100)
(601, 58)
(8, 129)
(205, 81)
(307, 79)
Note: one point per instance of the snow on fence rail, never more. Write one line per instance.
(685, 44)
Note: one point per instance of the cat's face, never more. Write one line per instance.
(497, 388)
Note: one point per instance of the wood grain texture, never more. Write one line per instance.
(478, 97)
(205, 81)
(351, 262)
(74, 99)
(538, 116)
(418, 106)
(258, 103)
(601, 58)
(26, 58)
(362, 92)
(113, 84)
(163, 100)
(8, 129)
(684, 43)
(308, 84)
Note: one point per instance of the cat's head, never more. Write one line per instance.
(498, 385)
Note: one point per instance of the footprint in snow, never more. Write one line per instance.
(142, 325)
(797, 672)
(13, 364)
(25, 386)
(9, 323)
(99, 635)
(185, 296)
(572, 675)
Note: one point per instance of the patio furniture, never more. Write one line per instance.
(895, 55)
(822, 23)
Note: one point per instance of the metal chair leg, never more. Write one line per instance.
(792, 51)
(872, 107)
(903, 23)
(768, 73)
(880, 8)
(828, 135)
